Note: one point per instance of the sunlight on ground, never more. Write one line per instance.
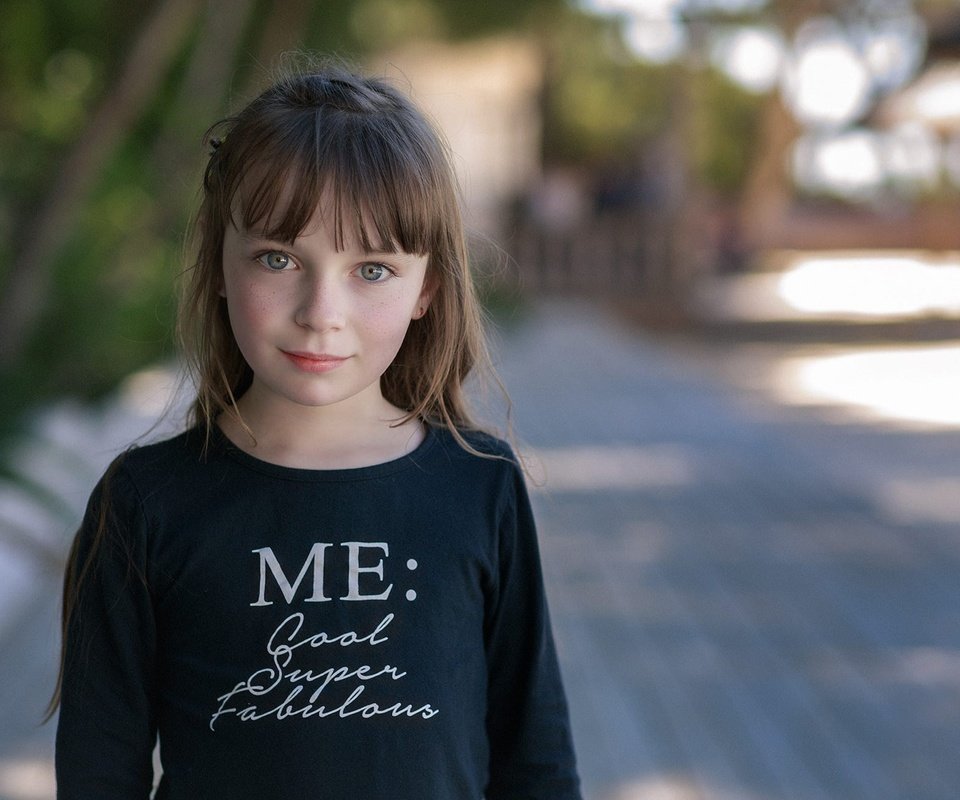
(873, 285)
(929, 666)
(673, 787)
(27, 779)
(922, 500)
(916, 385)
(657, 788)
(617, 467)
(932, 667)
(849, 286)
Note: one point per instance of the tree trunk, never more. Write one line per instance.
(200, 101)
(768, 188)
(768, 192)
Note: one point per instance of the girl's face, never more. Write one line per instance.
(318, 326)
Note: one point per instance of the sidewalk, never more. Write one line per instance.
(744, 609)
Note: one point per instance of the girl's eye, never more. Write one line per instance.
(374, 273)
(274, 260)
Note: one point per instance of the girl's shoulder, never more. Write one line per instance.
(478, 459)
(141, 475)
(474, 446)
(185, 447)
(145, 468)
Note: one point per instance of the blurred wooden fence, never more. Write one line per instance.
(622, 256)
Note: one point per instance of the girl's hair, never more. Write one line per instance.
(359, 150)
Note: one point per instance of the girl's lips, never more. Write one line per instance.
(314, 362)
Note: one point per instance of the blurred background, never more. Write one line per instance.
(720, 244)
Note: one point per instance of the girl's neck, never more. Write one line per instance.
(329, 437)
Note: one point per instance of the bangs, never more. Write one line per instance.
(376, 187)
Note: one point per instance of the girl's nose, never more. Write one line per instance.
(321, 305)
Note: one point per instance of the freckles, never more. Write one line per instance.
(389, 316)
(381, 324)
(253, 311)
(258, 299)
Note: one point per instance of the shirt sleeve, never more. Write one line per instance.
(106, 729)
(531, 752)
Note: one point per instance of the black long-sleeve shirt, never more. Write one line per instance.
(354, 634)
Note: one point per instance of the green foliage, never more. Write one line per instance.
(44, 94)
(356, 27)
(383, 23)
(601, 102)
(724, 131)
(604, 106)
(110, 309)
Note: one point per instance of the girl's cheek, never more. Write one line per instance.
(258, 300)
(388, 319)
(250, 310)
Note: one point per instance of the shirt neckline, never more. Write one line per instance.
(230, 450)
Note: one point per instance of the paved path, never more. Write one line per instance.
(746, 610)
(747, 605)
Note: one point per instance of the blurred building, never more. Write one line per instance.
(484, 96)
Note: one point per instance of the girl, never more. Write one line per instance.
(329, 586)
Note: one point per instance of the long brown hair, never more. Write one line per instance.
(322, 132)
(384, 176)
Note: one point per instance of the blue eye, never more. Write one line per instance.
(374, 273)
(274, 260)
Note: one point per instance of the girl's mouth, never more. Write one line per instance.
(314, 362)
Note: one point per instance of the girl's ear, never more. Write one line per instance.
(426, 296)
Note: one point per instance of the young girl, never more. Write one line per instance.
(329, 586)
